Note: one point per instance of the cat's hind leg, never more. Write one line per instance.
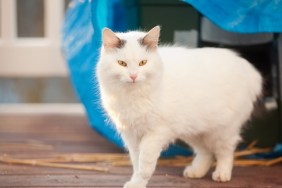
(224, 154)
(201, 162)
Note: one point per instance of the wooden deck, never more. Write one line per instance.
(19, 135)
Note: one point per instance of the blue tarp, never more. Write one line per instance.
(244, 16)
(81, 43)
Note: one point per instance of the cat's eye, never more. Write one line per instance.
(122, 63)
(143, 62)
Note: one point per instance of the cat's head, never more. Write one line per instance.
(130, 58)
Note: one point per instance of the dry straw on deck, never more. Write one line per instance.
(114, 159)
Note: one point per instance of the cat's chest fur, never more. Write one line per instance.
(131, 109)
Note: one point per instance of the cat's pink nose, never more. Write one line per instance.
(133, 77)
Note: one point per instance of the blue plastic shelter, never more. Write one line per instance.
(82, 40)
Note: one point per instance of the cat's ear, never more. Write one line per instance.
(110, 40)
(151, 39)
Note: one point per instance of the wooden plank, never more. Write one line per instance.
(242, 177)
(41, 120)
(65, 133)
(70, 109)
(72, 135)
(85, 180)
(8, 169)
(95, 180)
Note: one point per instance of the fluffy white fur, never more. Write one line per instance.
(202, 96)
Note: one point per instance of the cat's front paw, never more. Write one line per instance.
(192, 172)
(132, 184)
(221, 176)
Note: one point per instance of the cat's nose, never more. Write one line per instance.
(133, 77)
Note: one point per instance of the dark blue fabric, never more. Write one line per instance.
(244, 16)
(81, 43)
(276, 152)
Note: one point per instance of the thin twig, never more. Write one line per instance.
(252, 151)
(85, 157)
(252, 144)
(55, 165)
(274, 161)
(116, 159)
(254, 162)
(26, 146)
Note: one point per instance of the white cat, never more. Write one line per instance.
(156, 95)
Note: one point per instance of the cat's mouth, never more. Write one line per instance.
(131, 82)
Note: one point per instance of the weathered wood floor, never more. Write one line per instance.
(68, 134)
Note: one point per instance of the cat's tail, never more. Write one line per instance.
(259, 109)
(264, 105)
(256, 85)
(261, 104)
